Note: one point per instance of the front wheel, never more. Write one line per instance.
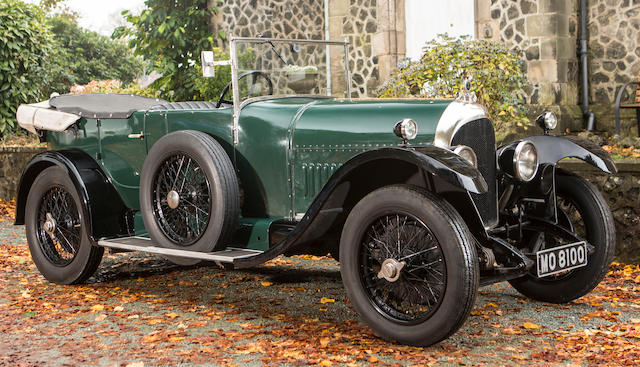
(409, 265)
(583, 210)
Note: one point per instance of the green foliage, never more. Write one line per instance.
(497, 73)
(115, 87)
(24, 47)
(210, 88)
(170, 35)
(81, 56)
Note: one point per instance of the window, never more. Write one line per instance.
(425, 19)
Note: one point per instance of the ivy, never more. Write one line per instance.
(497, 73)
(170, 34)
(24, 46)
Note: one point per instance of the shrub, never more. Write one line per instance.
(497, 72)
(170, 34)
(82, 56)
(114, 86)
(24, 46)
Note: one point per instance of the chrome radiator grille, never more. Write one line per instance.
(480, 136)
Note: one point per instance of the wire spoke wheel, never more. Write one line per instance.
(58, 226)
(570, 217)
(181, 199)
(582, 210)
(402, 268)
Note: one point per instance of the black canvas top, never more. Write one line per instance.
(103, 106)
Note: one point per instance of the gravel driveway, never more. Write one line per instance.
(142, 310)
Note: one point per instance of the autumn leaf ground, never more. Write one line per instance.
(142, 310)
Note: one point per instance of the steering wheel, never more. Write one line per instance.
(255, 75)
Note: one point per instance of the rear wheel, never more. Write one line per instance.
(409, 265)
(583, 210)
(189, 194)
(56, 232)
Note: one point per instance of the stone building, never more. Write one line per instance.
(383, 32)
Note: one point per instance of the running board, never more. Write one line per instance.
(144, 244)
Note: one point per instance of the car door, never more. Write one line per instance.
(122, 152)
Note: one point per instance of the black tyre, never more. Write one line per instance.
(56, 232)
(583, 209)
(429, 297)
(189, 194)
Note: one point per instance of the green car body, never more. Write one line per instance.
(288, 147)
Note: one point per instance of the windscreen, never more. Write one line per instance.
(279, 67)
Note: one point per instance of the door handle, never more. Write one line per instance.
(136, 136)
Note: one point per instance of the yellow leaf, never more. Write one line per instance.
(101, 317)
(97, 308)
(326, 363)
(154, 321)
(266, 284)
(530, 325)
(172, 315)
(324, 342)
(176, 339)
(136, 364)
(327, 300)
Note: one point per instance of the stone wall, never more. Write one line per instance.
(355, 20)
(614, 56)
(548, 33)
(12, 162)
(622, 192)
(271, 18)
(359, 24)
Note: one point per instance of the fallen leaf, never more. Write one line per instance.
(101, 317)
(327, 300)
(326, 363)
(530, 325)
(266, 284)
(97, 308)
(118, 309)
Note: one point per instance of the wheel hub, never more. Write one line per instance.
(173, 199)
(49, 225)
(391, 270)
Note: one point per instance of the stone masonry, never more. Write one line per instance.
(12, 162)
(614, 43)
(547, 31)
(354, 20)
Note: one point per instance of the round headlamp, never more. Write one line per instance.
(547, 121)
(406, 129)
(525, 161)
(467, 154)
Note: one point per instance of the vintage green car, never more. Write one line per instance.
(412, 197)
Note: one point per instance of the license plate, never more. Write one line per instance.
(562, 258)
